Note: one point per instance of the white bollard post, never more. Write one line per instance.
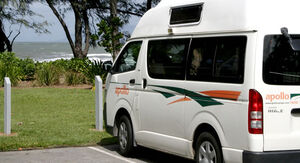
(7, 106)
(99, 103)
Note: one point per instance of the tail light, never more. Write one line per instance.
(255, 113)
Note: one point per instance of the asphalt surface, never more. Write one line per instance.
(106, 154)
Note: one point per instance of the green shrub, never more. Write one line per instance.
(9, 68)
(61, 64)
(74, 78)
(74, 69)
(77, 65)
(94, 68)
(47, 74)
(74, 65)
(28, 68)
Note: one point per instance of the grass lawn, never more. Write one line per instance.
(51, 117)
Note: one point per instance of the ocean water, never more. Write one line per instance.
(53, 51)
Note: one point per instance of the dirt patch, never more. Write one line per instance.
(12, 134)
(25, 84)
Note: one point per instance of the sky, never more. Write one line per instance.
(57, 33)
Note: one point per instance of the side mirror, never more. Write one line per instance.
(107, 65)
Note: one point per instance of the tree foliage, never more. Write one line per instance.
(109, 29)
(17, 12)
(147, 5)
(106, 37)
(111, 15)
(81, 10)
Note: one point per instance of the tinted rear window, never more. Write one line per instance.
(281, 65)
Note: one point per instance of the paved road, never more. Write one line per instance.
(106, 154)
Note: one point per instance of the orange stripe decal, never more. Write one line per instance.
(232, 95)
(180, 100)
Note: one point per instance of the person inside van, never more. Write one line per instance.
(196, 61)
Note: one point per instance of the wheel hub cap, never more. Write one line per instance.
(123, 135)
(207, 153)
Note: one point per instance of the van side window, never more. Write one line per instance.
(230, 60)
(218, 59)
(201, 59)
(186, 14)
(128, 58)
(166, 58)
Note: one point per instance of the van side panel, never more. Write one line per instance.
(229, 117)
(232, 129)
(121, 91)
(161, 123)
(225, 111)
(121, 95)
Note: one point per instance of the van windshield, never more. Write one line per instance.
(281, 64)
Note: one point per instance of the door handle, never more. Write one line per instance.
(296, 111)
(144, 83)
(132, 81)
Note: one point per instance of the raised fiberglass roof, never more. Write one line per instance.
(219, 16)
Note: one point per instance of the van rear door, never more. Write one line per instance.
(281, 93)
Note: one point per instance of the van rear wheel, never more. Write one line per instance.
(208, 149)
(125, 136)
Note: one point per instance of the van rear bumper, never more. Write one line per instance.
(271, 157)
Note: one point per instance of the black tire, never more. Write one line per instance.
(210, 149)
(125, 135)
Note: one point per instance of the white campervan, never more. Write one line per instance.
(211, 80)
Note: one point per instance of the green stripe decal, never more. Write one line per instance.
(200, 99)
(167, 95)
(294, 95)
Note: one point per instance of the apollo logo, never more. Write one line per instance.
(281, 96)
(122, 91)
